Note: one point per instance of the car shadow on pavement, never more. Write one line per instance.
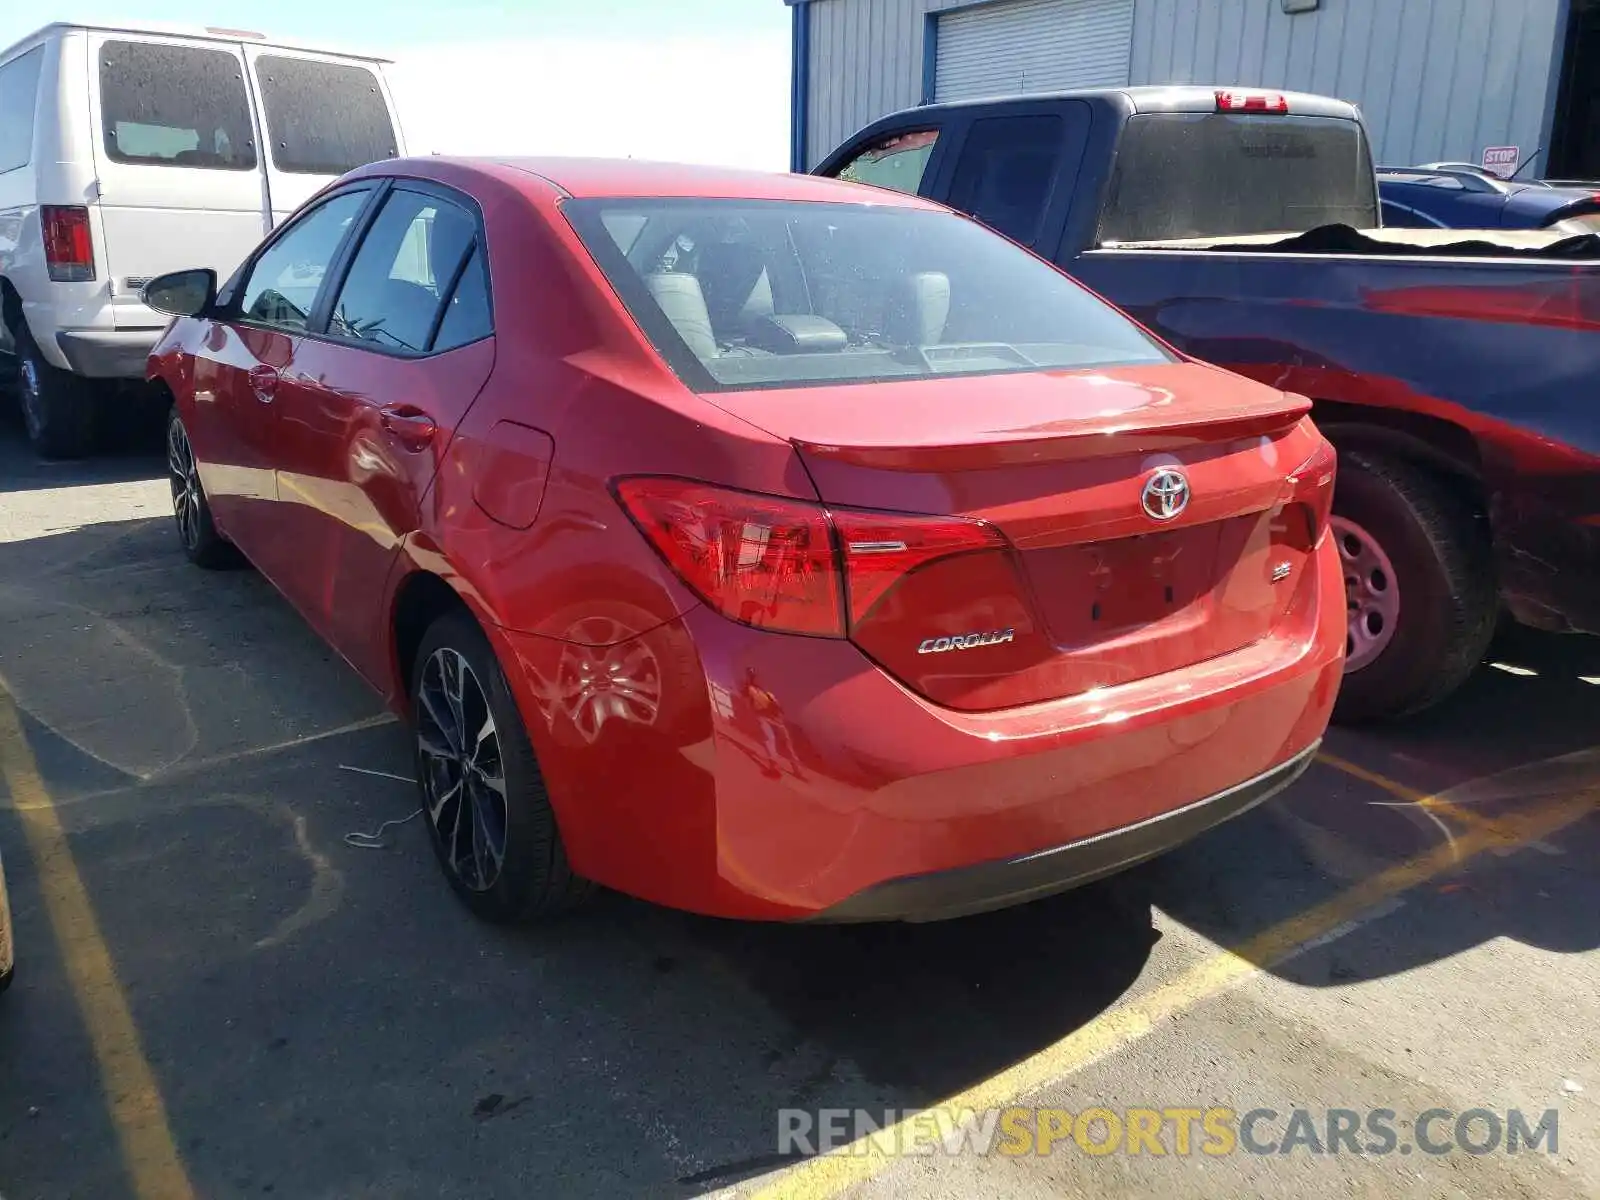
(1510, 744)
(208, 754)
(273, 970)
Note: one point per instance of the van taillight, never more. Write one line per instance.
(68, 249)
(775, 563)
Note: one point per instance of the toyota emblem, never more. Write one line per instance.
(1166, 494)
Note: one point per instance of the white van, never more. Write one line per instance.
(126, 152)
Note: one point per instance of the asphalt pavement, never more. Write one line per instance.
(218, 995)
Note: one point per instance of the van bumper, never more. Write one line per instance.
(109, 353)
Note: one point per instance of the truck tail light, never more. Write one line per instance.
(1269, 102)
(68, 248)
(791, 566)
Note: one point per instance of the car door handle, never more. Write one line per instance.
(264, 383)
(412, 428)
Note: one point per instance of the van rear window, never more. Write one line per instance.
(175, 106)
(323, 118)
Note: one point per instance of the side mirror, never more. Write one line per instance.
(181, 293)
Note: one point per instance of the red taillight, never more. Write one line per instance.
(1272, 102)
(1312, 485)
(880, 550)
(774, 563)
(68, 250)
(762, 560)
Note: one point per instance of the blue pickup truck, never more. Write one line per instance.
(1456, 377)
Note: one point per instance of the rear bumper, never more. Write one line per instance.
(761, 776)
(964, 891)
(107, 354)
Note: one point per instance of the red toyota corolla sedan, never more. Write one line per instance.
(765, 546)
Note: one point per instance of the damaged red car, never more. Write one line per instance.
(765, 546)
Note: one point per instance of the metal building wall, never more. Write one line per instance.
(1436, 79)
(1032, 46)
(866, 60)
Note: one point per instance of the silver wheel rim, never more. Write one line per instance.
(1371, 591)
(30, 396)
(463, 774)
(184, 478)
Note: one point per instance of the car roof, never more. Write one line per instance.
(587, 178)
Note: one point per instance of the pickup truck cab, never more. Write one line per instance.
(1454, 377)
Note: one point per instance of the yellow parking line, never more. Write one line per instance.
(137, 1110)
(1117, 1028)
(1437, 804)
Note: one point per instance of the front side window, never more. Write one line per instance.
(281, 289)
(1005, 172)
(175, 106)
(410, 257)
(19, 91)
(323, 118)
(747, 294)
(898, 162)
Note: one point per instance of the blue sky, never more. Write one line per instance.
(693, 80)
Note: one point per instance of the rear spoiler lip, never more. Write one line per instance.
(1011, 448)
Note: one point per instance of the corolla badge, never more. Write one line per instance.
(966, 641)
(1166, 494)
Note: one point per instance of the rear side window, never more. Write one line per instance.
(1005, 171)
(1192, 175)
(394, 293)
(897, 162)
(175, 106)
(19, 90)
(467, 317)
(323, 118)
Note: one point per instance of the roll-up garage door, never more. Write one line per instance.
(1033, 46)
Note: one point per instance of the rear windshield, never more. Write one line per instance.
(1190, 175)
(323, 118)
(175, 106)
(748, 294)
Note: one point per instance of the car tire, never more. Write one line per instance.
(191, 511)
(58, 407)
(1420, 587)
(479, 790)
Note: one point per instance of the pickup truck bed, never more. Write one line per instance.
(1455, 373)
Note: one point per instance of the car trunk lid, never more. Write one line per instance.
(1090, 586)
